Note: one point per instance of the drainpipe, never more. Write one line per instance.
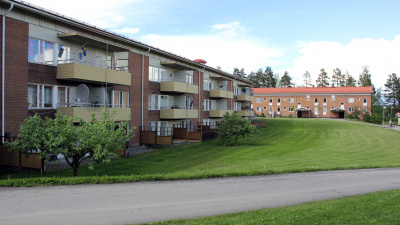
(3, 40)
(143, 82)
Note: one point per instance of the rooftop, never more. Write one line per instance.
(313, 90)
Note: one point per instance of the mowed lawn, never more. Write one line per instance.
(286, 145)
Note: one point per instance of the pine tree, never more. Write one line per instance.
(338, 78)
(365, 77)
(269, 78)
(392, 89)
(350, 81)
(286, 80)
(307, 79)
(322, 78)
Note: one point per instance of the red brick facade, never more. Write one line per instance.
(315, 102)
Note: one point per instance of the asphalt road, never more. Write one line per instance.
(154, 201)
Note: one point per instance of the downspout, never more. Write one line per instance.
(3, 41)
(143, 83)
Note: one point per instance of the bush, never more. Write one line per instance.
(232, 127)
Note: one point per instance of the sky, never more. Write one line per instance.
(287, 35)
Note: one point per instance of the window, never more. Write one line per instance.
(358, 99)
(279, 101)
(342, 105)
(279, 109)
(258, 109)
(270, 110)
(284, 99)
(291, 109)
(316, 111)
(365, 109)
(365, 101)
(207, 86)
(308, 97)
(40, 51)
(235, 106)
(153, 102)
(63, 54)
(333, 98)
(284, 108)
(325, 100)
(160, 126)
(351, 100)
(265, 99)
(351, 109)
(291, 100)
(153, 74)
(207, 104)
(40, 96)
(63, 96)
(235, 90)
(315, 100)
(265, 107)
(258, 100)
(121, 99)
(270, 101)
(324, 111)
(189, 78)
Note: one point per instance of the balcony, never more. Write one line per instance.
(179, 86)
(246, 113)
(220, 93)
(85, 112)
(178, 113)
(83, 71)
(219, 113)
(245, 98)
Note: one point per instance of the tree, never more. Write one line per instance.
(338, 78)
(270, 80)
(231, 127)
(96, 139)
(257, 78)
(365, 77)
(322, 78)
(242, 73)
(286, 80)
(307, 79)
(350, 81)
(236, 71)
(392, 89)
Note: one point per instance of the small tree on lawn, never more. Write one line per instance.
(231, 127)
(96, 139)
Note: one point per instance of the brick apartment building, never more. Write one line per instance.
(55, 63)
(325, 102)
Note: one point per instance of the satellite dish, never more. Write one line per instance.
(243, 90)
(82, 93)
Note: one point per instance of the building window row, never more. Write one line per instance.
(44, 52)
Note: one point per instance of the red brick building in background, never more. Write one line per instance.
(325, 102)
(53, 63)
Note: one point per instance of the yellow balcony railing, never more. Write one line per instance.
(221, 94)
(219, 112)
(177, 86)
(178, 113)
(92, 74)
(245, 98)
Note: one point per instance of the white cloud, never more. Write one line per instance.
(229, 29)
(128, 30)
(382, 57)
(217, 50)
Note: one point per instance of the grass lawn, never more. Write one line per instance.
(286, 145)
(375, 208)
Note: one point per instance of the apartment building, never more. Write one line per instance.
(53, 63)
(307, 102)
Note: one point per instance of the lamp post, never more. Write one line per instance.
(383, 116)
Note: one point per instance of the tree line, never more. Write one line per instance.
(267, 78)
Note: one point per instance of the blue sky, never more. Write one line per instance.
(292, 36)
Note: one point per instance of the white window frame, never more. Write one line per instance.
(365, 101)
(291, 100)
(41, 52)
(324, 111)
(207, 104)
(270, 110)
(270, 101)
(258, 100)
(278, 101)
(291, 109)
(333, 97)
(325, 101)
(351, 100)
(258, 109)
(316, 111)
(154, 103)
(41, 96)
(308, 98)
(315, 101)
(121, 99)
(351, 109)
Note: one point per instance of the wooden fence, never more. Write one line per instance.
(20, 159)
(156, 135)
